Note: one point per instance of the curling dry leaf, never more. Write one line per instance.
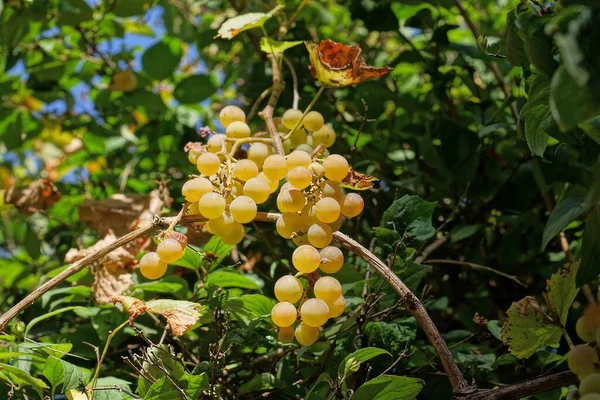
(335, 64)
(357, 181)
(233, 26)
(123, 81)
(109, 283)
(38, 195)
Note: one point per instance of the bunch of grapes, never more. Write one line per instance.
(583, 359)
(153, 264)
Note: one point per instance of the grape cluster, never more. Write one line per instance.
(153, 264)
(583, 359)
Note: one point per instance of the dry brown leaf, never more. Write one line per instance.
(357, 181)
(38, 195)
(134, 307)
(108, 283)
(123, 81)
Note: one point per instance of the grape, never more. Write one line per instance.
(238, 130)
(590, 384)
(231, 114)
(352, 205)
(193, 154)
(75, 394)
(590, 396)
(179, 237)
(193, 209)
(194, 189)
(317, 170)
(306, 259)
(275, 167)
(313, 121)
(208, 164)
(169, 250)
(215, 143)
(244, 170)
(328, 289)
(258, 152)
(290, 200)
(287, 146)
(243, 209)
(299, 177)
(286, 186)
(285, 334)
(331, 189)
(337, 224)
(284, 314)
(334, 257)
(151, 266)
(582, 359)
(287, 224)
(336, 167)
(278, 121)
(588, 324)
(288, 288)
(234, 235)
(320, 235)
(221, 224)
(237, 188)
(308, 215)
(314, 312)
(307, 148)
(257, 189)
(324, 136)
(337, 307)
(306, 335)
(327, 210)
(212, 205)
(300, 239)
(273, 185)
(298, 159)
(291, 117)
(298, 138)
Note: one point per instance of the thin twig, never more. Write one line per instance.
(479, 267)
(267, 112)
(296, 99)
(111, 335)
(257, 104)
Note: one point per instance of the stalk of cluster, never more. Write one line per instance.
(583, 359)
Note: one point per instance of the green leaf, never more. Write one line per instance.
(195, 384)
(129, 8)
(227, 279)
(20, 378)
(352, 361)
(250, 306)
(562, 290)
(562, 215)
(389, 387)
(391, 336)
(261, 382)
(271, 46)
(59, 371)
(53, 371)
(73, 12)
(171, 284)
(191, 259)
(111, 381)
(570, 103)
(590, 250)
(412, 216)
(535, 112)
(160, 60)
(234, 26)
(217, 248)
(321, 387)
(495, 328)
(515, 47)
(462, 232)
(34, 321)
(194, 89)
(162, 389)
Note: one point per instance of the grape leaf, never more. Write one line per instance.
(271, 46)
(234, 26)
(389, 387)
(562, 290)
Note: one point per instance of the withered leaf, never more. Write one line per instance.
(357, 181)
(38, 195)
(234, 26)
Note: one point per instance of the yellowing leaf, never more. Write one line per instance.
(270, 46)
(233, 26)
(123, 81)
(357, 181)
(562, 290)
(32, 104)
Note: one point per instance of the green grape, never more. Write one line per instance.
(273, 185)
(331, 189)
(317, 170)
(275, 167)
(284, 314)
(291, 117)
(337, 307)
(328, 289)
(306, 335)
(279, 125)
(324, 136)
(298, 138)
(244, 170)
(288, 288)
(299, 177)
(287, 224)
(238, 130)
(243, 209)
(327, 210)
(221, 224)
(287, 146)
(290, 200)
(257, 189)
(582, 360)
(193, 154)
(286, 334)
(314, 312)
(215, 143)
(306, 259)
(193, 209)
(169, 250)
(300, 239)
(590, 384)
(313, 121)
(336, 167)
(194, 189)
(212, 205)
(151, 266)
(308, 215)
(208, 164)
(298, 158)
(234, 235)
(320, 235)
(231, 114)
(352, 205)
(307, 148)
(258, 153)
(332, 259)
(588, 324)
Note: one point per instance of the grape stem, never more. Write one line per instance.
(267, 112)
(306, 111)
(237, 143)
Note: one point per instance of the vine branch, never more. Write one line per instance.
(267, 112)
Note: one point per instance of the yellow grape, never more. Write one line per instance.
(169, 250)
(588, 324)
(273, 185)
(582, 360)
(306, 335)
(238, 130)
(231, 114)
(336, 167)
(590, 396)
(298, 138)
(286, 334)
(194, 189)
(331, 189)
(193, 209)
(590, 384)
(193, 154)
(244, 170)
(75, 394)
(151, 266)
(275, 167)
(332, 259)
(221, 224)
(287, 224)
(317, 170)
(328, 289)
(299, 177)
(327, 210)
(234, 235)
(352, 205)
(279, 125)
(320, 235)
(288, 288)
(237, 189)
(284, 314)
(215, 143)
(290, 200)
(286, 186)
(298, 158)
(337, 224)
(287, 146)
(337, 307)
(313, 121)
(314, 312)
(243, 209)
(208, 164)
(258, 152)
(308, 215)
(212, 205)
(324, 136)
(257, 189)
(306, 259)
(291, 117)
(300, 239)
(307, 148)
